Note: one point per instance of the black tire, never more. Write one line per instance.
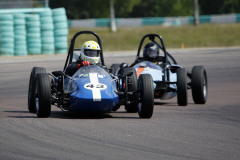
(182, 96)
(43, 95)
(146, 96)
(116, 107)
(114, 68)
(199, 85)
(132, 86)
(31, 88)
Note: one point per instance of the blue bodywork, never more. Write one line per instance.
(92, 90)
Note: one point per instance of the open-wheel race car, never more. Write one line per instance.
(91, 89)
(169, 78)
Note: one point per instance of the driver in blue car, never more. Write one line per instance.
(90, 54)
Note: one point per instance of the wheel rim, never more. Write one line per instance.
(139, 96)
(204, 88)
(36, 99)
(37, 104)
(139, 107)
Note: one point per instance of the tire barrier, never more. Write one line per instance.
(61, 30)
(6, 35)
(20, 44)
(24, 34)
(47, 32)
(33, 34)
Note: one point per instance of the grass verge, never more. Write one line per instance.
(128, 38)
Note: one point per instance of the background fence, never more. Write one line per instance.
(167, 21)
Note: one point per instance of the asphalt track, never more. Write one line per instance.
(208, 132)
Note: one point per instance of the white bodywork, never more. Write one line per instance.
(156, 72)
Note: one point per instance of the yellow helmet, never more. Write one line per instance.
(90, 51)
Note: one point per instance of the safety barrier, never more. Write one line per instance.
(33, 32)
(61, 30)
(7, 35)
(166, 21)
(47, 32)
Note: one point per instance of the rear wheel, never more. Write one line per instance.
(31, 88)
(132, 87)
(114, 68)
(182, 97)
(146, 96)
(199, 85)
(43, 95)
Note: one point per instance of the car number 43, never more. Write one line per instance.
(92, 86)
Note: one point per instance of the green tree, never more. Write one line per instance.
(163, 8)
(219, 6)
(230, 6)
(82, 9)
(124, 8)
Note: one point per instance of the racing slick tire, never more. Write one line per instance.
(132, 86)
(114, 68)
(43, 95)
(199, 85)
(31, 88)
(116, 107)
(146, 96)
(182, 96)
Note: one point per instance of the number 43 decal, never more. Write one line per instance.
(91, 86)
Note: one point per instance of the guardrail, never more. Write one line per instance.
(167, 21)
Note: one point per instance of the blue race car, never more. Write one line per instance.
(169, 78)
(92, 89)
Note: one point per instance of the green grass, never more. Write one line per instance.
(128, 38)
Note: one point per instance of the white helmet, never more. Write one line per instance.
(90, 51)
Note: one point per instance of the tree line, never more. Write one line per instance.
(85, 9)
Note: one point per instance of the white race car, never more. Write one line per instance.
(169, 78)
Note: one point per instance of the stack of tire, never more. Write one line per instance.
(60, 30)
(20, 45)
(47, 32)
(6, 35)
(33, 34)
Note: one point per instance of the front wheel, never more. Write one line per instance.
(146, 96)
(43, 95)
(31, 88)
(182, 97)
(199, 85)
